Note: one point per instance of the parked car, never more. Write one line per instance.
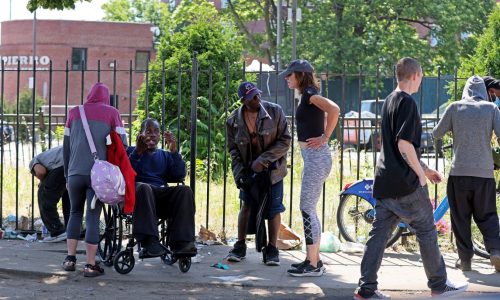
(369, 137)
(369, 134)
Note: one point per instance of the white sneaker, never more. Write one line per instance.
(54, 239)
(452, 288)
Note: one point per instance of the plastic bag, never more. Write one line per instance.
(330, 243)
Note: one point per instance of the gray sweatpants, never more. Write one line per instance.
(79, 188)
(317, 167)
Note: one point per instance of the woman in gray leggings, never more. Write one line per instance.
(78, 162)
(316, 118)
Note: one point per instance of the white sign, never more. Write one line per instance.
(13, 60)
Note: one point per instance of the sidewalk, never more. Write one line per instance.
(399, 272)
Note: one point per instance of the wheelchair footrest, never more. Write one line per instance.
(184, 254)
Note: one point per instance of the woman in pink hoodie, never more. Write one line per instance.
(78, 162)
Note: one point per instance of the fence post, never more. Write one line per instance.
(194, 117)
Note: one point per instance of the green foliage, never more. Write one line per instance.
(25, 103)
(196, 27)
(486, 56)
(52, 4)
(335, 33)
(25, 108)
(140, 11)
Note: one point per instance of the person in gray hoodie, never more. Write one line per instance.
(471, 184)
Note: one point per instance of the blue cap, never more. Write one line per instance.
(298, 65)
(247, 91)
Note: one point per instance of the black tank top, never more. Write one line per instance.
(310, 118)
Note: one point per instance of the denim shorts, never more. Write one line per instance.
(276, 206)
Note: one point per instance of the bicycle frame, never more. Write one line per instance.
(364, 189)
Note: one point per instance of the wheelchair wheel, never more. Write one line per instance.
(124, 262)
(110, 237)
(168, 258)
(355, 217)
(184, 264)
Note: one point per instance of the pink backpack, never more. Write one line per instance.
(106, 179)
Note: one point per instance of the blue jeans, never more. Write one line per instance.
(415, 210)
(276, 205)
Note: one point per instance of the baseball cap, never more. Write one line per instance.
(491, 82)
(298, 65)
(247, 90)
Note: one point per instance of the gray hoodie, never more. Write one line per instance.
(471, 122)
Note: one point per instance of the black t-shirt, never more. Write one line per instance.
(400, 120)
(310, 118)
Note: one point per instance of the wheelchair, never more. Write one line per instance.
(116, 227)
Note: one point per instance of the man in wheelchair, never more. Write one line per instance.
(155, 199)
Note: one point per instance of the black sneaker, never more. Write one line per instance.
(238, 252)
(359, 295)
(152, 247)
(451, 288)
(299, 265)
(306, 270)
(272, 256)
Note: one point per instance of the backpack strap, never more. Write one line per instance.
(87, 132)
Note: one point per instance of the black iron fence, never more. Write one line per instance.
(29, 126)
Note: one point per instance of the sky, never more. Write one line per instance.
(90, 11)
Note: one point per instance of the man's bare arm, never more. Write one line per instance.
(410, 156)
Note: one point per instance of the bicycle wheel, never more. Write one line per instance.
(355, 217)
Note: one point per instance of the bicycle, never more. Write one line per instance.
(356, 213)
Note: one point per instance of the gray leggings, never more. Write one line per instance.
(79, 190)
(317, 167)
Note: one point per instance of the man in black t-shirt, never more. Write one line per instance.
(400, 187)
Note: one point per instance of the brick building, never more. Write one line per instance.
(81, 46)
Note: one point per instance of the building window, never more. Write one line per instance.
(79, 59)
(141, 61)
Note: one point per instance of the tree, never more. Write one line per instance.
(486, 57)
(335, 33)
(139, 11)
(245, 11)
(52, 4)
(196, 26)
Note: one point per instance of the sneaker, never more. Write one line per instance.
(238, 252)
(299, 265)
(153, 247)
(272, 256)
(464, 265)
(93, 270)
(54, 239)
(495, 259)
(359, 295)
(306, 270)
(451, 288)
